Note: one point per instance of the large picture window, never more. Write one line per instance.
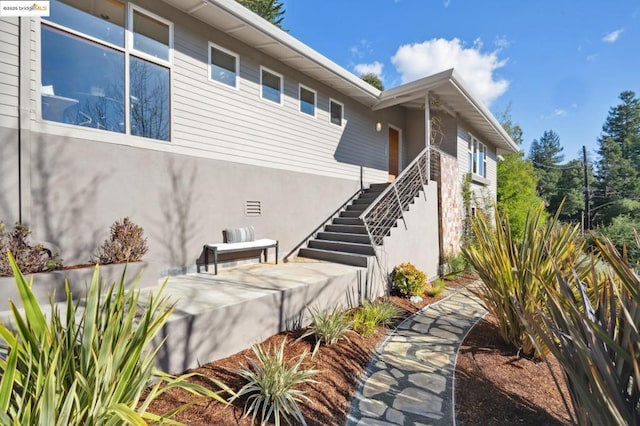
(88, 71)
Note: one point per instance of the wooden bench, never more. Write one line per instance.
(238, 240)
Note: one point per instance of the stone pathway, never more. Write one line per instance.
(410, 381)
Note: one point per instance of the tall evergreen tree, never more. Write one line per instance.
(513, 129)
(373, 80)
(618, 174)
(570, 189)
(546, 156)
(271, 10)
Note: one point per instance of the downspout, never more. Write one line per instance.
(20, 120)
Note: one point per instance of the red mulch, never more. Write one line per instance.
(493, 387)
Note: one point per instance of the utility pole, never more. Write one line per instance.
(587, 205)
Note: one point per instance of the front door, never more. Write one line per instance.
(394, 153)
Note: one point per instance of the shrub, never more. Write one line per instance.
(126, 243)
(434, 288)
(328, 327)
(620, 232)
(29, 258)
(591, 327)
(370, 315)
(408, 280)
(271, 385)
(454, 265)
(513, 270)
(89, 365)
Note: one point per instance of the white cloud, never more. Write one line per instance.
(361, 49)
(559, 112)
(372, 68)
(414, 61)
(612, 37)
(501, 42)
(447, 3)
(592, 57)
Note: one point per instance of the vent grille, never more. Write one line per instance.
(253, 208)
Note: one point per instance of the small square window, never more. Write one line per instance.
(271, 86)
(223, 66)
(307, 101)
(337, 112)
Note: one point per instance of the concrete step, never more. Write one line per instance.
(343, 236)
(335, 256)
(347, 221)
(378, 186)
(351, 213)
(342, 246)
(366, 201)
(349, 229)
(360, 207)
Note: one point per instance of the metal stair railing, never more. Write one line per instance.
(389, 207)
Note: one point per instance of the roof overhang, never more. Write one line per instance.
(447, 91)
(237, 21)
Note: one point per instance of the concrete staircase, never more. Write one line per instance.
(345, 239)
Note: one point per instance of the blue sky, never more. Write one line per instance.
(561, 64)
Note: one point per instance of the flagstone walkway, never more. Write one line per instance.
(410, 380)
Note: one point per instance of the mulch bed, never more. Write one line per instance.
(495, 386)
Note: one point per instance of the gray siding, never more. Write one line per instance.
(221, 123)
(9, 72)
(485, 191)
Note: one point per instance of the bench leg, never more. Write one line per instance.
(206, 259)
(215, 261)
(276, 253)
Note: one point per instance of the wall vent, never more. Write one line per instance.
(253, 208)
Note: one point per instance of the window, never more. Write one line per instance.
(477, 154)
(90, 65)
(271, 86)
(223, 66)
(336, 111)
(307, 101)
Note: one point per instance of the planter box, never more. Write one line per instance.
(46, 284)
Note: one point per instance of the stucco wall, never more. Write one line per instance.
(9, 176)
(79, 188)
(415, 239)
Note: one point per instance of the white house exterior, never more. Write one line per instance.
(191, 116)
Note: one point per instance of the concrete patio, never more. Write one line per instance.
(219, 315)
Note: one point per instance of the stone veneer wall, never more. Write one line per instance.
(451, 206)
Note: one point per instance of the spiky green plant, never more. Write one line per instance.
(89, 365)
(434, 288)
(370, 315)
(328, 326)
(591, 327)
(271, 385)
(513, 270)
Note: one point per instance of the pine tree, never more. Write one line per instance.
(618, 174)
(271, 10)
(373, 80)
(570, 189)
(546, 156)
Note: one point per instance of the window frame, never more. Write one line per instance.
(331, 102)
(127, 51)
(236, 56)
(315, 100)
(129, 35)
(264, 69)
(474, 147)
